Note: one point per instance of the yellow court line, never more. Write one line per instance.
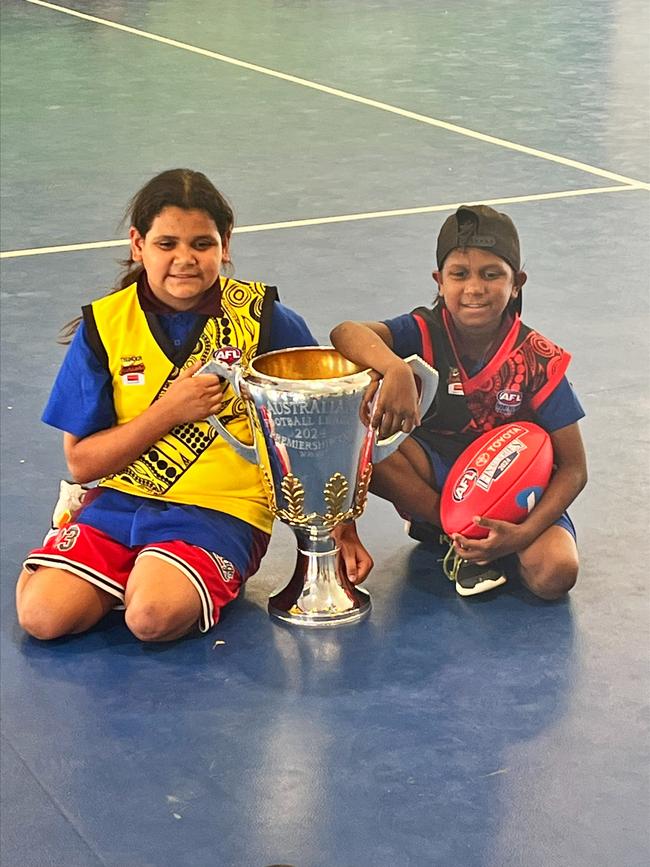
(342, 218)
(343, 94)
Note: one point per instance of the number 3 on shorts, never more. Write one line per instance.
(67, 537)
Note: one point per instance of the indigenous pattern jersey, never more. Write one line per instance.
(191, 464)
(518, 378)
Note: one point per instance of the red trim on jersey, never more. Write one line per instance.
(554, 376)
(427, 347)
(494, 364)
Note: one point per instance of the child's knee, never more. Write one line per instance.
(153, 621)
(41, 622)
(552, 580)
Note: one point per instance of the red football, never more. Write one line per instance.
(500, 475)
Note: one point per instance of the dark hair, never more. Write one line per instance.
(180, 188)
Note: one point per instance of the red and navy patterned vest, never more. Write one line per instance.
(516, 380)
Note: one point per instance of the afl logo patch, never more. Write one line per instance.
(508, 402)
(228, 354)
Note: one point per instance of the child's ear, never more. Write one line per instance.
(225, 246)
(137, 241)
(520, 279)
(437, 276)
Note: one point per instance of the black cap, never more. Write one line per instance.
(479, 226)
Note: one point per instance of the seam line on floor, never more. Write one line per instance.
(344, 94)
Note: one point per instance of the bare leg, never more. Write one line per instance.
(52, 602)
(406, 480)
(162, 604)
(549, 567)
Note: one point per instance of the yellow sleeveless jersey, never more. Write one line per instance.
(191, 464)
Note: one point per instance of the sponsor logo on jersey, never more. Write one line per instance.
(133, 378)
(132, 370)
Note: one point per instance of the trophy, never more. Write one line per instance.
(315, 457)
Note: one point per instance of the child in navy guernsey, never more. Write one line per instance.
(493, 369)
(177, 521)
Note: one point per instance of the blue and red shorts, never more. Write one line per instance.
(94, 556)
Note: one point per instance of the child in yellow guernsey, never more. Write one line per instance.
(178, 521)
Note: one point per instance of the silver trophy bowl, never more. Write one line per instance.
(316, 459)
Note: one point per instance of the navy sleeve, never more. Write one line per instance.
(561, 407)
(81, 400)
(407, 339)
(288, 329)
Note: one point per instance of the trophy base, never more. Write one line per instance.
(318, 595)
(324, 619)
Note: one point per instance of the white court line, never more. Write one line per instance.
(342, 218)
(343, 94)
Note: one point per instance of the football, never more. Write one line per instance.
(501, 475)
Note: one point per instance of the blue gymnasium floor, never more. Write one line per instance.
(491, 732)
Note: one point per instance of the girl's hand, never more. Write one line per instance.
(396, 407)
(503, 538)
(193, 397)
(354, 560)
(190, 398)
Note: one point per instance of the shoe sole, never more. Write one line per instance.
(482, 587)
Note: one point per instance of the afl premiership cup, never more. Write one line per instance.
(315, 457)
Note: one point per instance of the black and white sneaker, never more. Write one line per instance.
(470, 578)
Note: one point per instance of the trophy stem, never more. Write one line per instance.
(319, 594)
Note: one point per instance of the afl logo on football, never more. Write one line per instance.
(228, 354)
(464, 485)
(508, 401)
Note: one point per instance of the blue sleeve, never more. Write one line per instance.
(407, 339)
(288, 329)
(81, 400)
(561, 407)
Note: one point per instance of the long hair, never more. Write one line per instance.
(180, 188)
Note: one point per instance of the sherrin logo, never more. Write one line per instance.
(464, 485)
